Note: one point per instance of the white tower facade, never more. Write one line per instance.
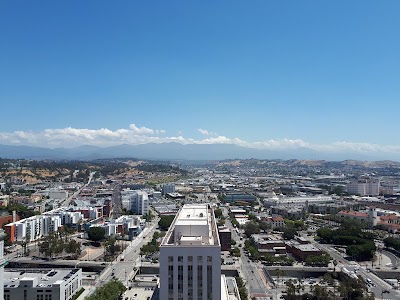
(190, 256)
(3, 262)
(139, 202)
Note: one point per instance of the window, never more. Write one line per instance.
(209, 258)
(190, 258)
(199, 259)
(170, 258)
(180, 258)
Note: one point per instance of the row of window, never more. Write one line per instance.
(189, 258)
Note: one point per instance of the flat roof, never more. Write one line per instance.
(306, 247)
(45, 278)
(194, 221)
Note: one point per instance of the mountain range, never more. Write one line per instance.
(176, 151)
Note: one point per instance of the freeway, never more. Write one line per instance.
(394, 260)
(379, 287)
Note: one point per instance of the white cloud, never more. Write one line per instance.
(69, 137)
(206, 132)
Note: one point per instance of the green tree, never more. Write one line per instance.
(165, 221)
(251, 227)
(110, 291)
(318, 260)
(218, 213)
(73, 247)
(149, 216)
(288, 233)
(96, 233)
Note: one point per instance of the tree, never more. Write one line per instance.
(110, 245)
(149, 217)
(96, 233)
(218, 213)
(251, 228)
(110, 291)
(319, 292)
(288, 233)
(254, 252)
(242, 288)
(317, 260)
(73, 247)
(291, 289)
(165, 221)
(264, 226)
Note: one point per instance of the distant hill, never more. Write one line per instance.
(179, 151)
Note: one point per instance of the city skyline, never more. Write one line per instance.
(277, 76)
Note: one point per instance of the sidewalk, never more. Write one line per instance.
(88, 290)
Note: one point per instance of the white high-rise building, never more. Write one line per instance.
(190, 256)
(139, 203)
(167, 188)
(3, 262)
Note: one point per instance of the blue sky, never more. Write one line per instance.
(319, 72)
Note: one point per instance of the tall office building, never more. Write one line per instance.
(3, 262)
(139, 201)
(190, 256)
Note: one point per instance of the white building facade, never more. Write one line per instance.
(3, 262)
(190, 256)
(167, 188)
(35, 227)
(60, 284)
(275, 200)
(367, 187)
(139, 203)
(136, 201)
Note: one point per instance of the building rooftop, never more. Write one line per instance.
(37, 278)
(305, 247)
(353, 214)
(193, 225)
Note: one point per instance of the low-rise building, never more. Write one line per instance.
(371, 217)
(239, 197)
(60, 284)
(275, 221)
(302, 251)
(274, 200)
(268, 245)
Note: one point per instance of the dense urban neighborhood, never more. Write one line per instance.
(232, 229)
